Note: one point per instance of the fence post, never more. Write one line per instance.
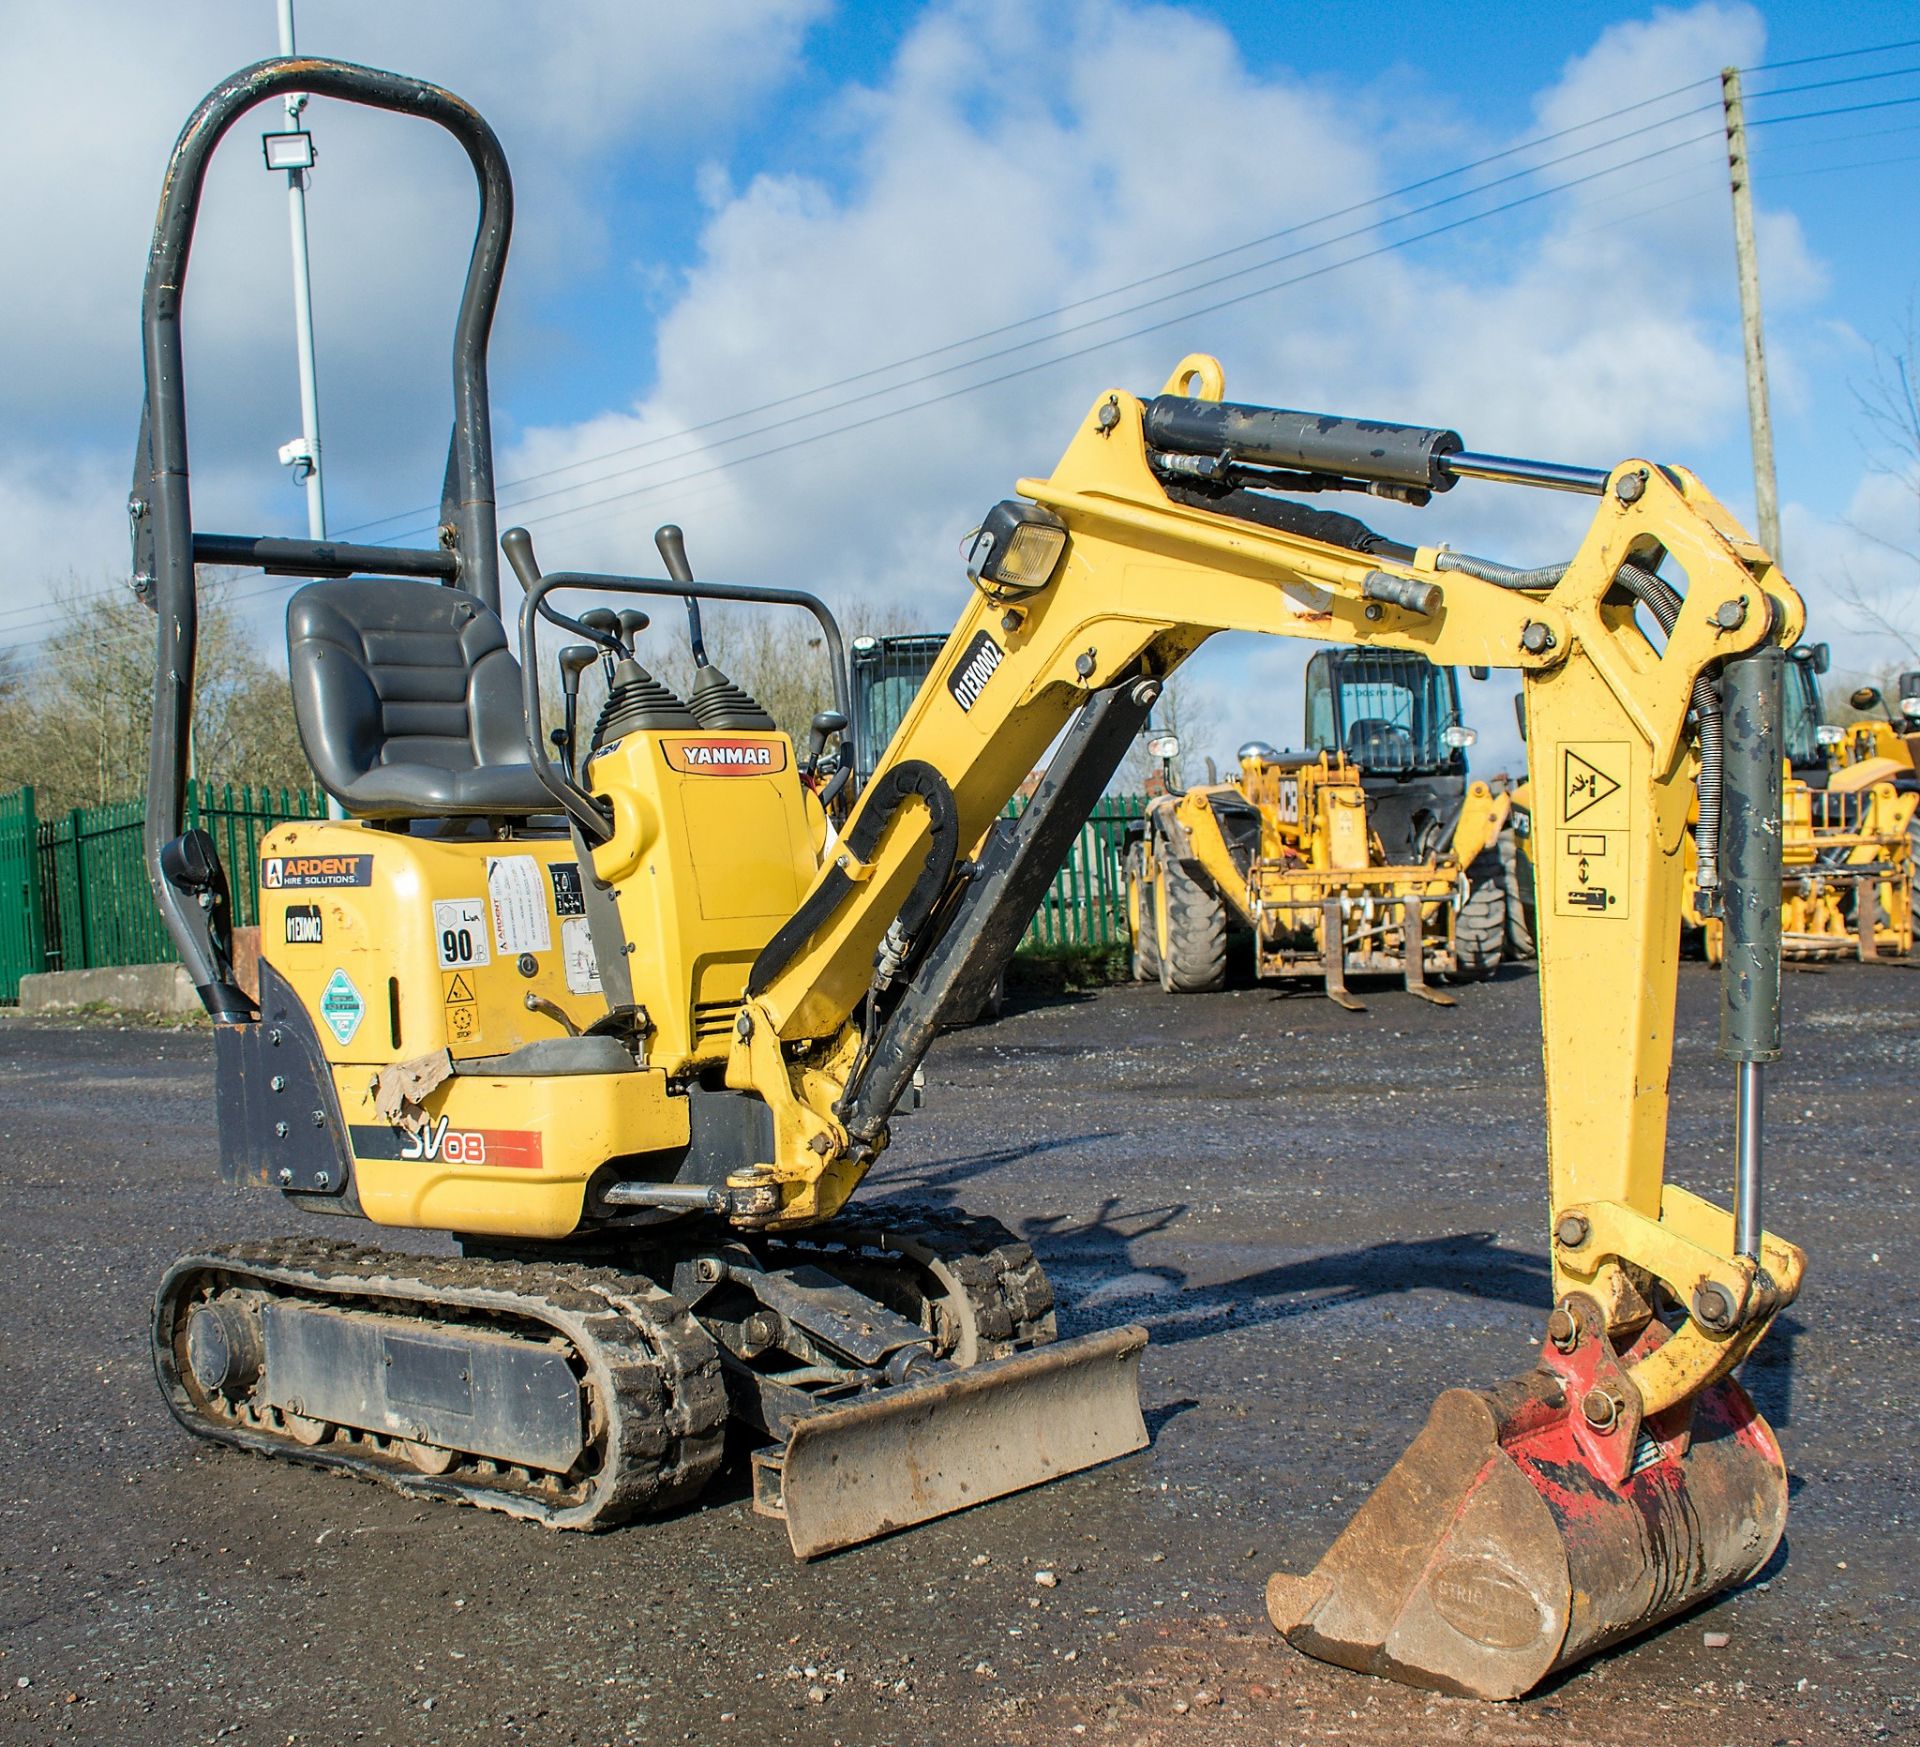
(22, 936)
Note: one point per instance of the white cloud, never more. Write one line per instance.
(572, 92)
(1010, 164)
(1010, 160)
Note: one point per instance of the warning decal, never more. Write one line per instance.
(1585, 786)
(1590, 874)
(463, 1011)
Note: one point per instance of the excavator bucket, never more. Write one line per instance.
(1514, 1538)
(908, 1454)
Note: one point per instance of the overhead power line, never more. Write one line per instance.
(1111, 291)
(275, 582)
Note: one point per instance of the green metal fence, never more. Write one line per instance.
(74, 891)
(81, 880)
(1087, 903)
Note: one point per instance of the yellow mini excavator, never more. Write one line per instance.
(631, 1015)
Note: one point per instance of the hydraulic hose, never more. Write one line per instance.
(1501, 575)
(1659, 598)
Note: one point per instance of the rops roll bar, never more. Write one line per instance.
(189, 887)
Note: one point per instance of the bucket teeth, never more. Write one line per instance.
(1496, 1552)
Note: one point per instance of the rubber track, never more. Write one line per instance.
(657, 1406)
(1007, 1296)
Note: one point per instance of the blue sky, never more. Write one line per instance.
(725, 206)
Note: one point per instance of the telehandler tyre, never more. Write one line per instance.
(1516, 874)
(1480, 929)
(1143, 942)
(1192, 939)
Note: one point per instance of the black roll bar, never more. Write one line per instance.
(165, 547)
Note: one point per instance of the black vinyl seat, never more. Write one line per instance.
(408, 701)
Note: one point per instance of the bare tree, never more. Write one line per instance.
(1889, 405)
(76, 722)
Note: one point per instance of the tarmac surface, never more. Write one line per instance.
(1323, 1219)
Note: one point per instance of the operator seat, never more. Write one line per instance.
(408, 701)
(1374, 743)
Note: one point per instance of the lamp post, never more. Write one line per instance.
(291, 151)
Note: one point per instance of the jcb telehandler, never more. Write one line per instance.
(634, 1023)
(1369, 852)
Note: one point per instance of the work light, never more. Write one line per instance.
(288, 151)
(1017, 548)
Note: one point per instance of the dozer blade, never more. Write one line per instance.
(906, 1455)
(1497, 1550)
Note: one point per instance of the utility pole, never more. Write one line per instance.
(293, 152)
(303, 453)
(1766, 491)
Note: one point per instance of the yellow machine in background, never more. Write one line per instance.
(1849, 802)
(633, 1023)
(1287, 849)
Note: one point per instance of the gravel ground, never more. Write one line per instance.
(1322, 1218)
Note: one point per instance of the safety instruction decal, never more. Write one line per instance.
(569, 897)
(341, 1006)
(518, 896)
(463, 1011)
(460, 932)
(1590, 873)
(576, 954)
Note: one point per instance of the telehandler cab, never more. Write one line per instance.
(633, 1024)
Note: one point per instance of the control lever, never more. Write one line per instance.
(605, 622)
(826, 724)
(575, 658)
(632, 623)
(673, 551)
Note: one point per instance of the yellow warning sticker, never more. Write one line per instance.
(1590, 874)
(463, 1010)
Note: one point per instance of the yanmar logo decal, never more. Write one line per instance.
(281, 872)
(976, 666)
(726, 757)
(439, 1142)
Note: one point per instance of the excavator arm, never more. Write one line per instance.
(1089, 594)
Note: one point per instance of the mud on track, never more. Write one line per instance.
(1323, 1219)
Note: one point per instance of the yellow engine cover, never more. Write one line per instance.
(400, 946)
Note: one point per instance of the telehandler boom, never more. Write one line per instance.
(634, 1023)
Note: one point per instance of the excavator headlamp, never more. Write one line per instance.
(1830, 734)
(1459, 735)
(1017, 548)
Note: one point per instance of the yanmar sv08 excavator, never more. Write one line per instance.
(633, 1021)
